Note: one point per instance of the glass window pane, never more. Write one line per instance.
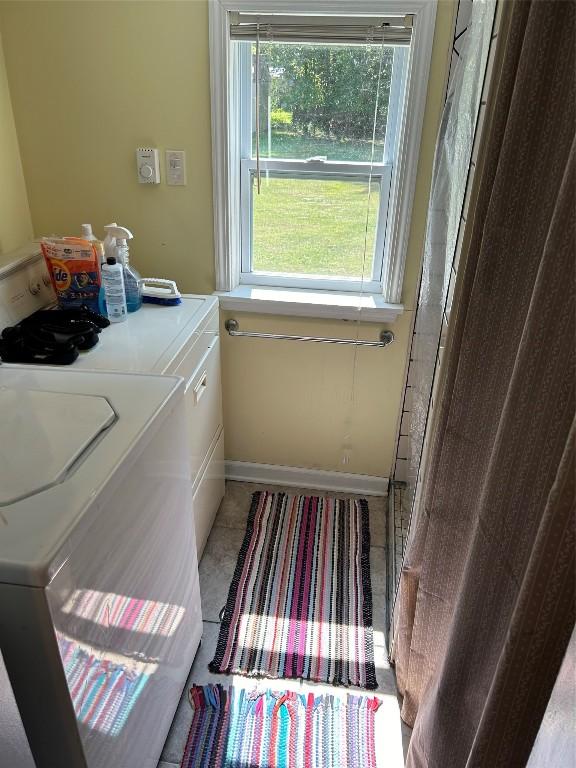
(320, 99)
(312, 226)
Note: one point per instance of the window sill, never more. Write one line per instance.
(303, 302)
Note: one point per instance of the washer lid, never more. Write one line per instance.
(46, 432)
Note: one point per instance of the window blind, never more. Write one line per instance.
(391, 30)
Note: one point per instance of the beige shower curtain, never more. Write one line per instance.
(487, 593)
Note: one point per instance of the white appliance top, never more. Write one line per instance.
(40, 451)
(38, 530)
(149, 339)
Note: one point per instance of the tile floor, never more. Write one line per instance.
(216, 570)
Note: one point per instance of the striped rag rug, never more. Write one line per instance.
(300, 602)
(232, 728)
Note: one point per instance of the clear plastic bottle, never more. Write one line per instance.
(113, 281)
(132, 279)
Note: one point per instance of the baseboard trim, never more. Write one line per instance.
(317, 479)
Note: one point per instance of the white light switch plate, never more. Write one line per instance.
(175, 167)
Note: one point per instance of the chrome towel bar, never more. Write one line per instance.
(233, 328)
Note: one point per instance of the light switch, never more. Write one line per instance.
(175, 167)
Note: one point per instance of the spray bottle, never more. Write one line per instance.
(132, 279)
(109, 243)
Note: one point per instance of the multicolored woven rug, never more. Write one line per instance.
(300, 602)
(232, 728)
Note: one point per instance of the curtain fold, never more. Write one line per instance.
(486, 602)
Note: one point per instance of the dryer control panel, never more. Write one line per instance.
(25, 285)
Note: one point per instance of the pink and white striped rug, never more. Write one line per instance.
(300, 602)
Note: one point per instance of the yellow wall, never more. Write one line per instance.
(15, 221)
(290, 402)
(90, 82)
(137, 73)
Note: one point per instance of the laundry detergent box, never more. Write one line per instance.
(74, 267)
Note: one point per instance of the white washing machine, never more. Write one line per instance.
(181, 340)
(100, 613)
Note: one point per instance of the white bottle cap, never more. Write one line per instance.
(87, 233)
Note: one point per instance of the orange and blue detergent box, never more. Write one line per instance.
(74, 268)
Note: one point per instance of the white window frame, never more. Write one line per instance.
(310, 170)
(226, 149)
